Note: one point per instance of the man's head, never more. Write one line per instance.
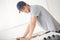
(22, 6)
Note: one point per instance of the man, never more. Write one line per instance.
(38, 13)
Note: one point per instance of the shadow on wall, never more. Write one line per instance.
(56, 23)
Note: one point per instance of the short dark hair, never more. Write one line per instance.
(20, 5)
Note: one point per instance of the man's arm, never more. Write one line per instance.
(26, 32)
(32, 26)
(30, 29)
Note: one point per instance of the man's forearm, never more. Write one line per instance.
(32, 26)
(26, 32)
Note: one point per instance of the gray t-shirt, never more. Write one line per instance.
(43, 17)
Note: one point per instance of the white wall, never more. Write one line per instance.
(11, 20)
(9, 15)
(54, 8)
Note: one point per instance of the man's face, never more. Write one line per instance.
(25, 9)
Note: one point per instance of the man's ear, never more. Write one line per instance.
(24, 7)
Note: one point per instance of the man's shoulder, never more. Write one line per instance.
(36, 6)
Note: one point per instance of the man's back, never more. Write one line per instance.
(43, 17)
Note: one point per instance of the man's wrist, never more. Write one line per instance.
(29, 37)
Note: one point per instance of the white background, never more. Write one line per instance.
(11, 20)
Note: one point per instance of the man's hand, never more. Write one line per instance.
(24, 38)
(21, 38)
(18, 38)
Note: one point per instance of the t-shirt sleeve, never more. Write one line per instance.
(35, 11)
